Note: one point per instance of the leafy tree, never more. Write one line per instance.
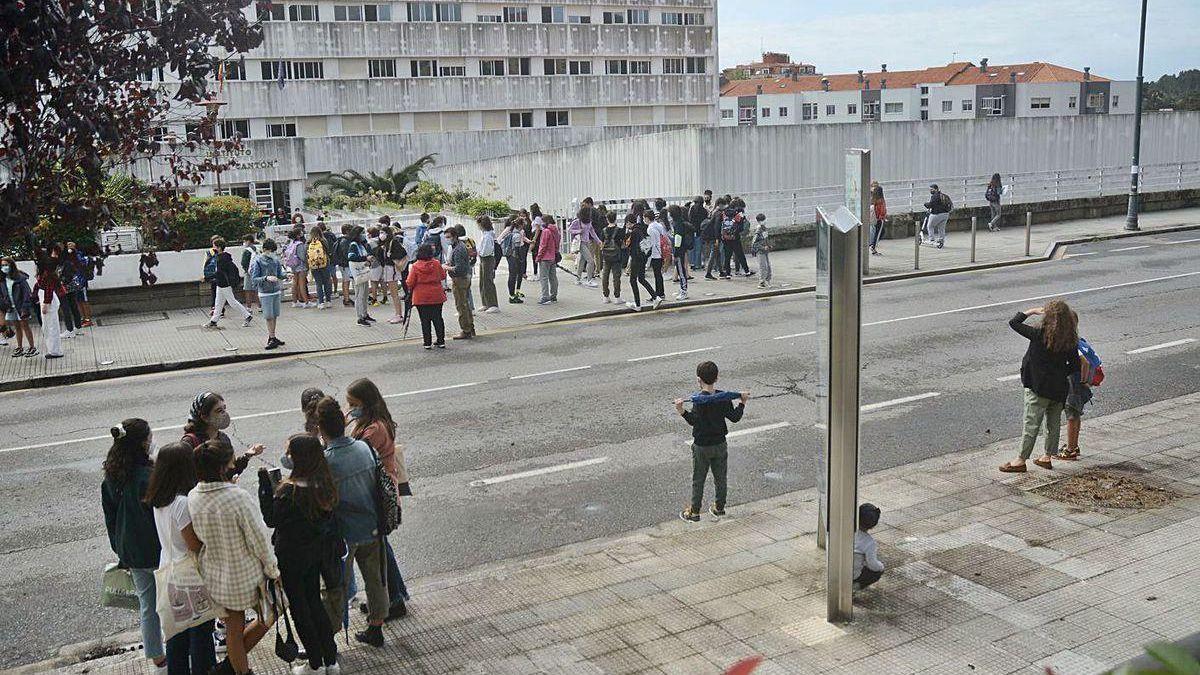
(392, 184)
(1178, 92)
(75, 106)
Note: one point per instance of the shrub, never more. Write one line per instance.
(480, 206)
(227, 216)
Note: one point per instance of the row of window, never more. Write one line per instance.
(991, 106)
(386, 68)
(241, 128)
(452, 12)
(524, 119)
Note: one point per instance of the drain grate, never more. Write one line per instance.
(127, 319)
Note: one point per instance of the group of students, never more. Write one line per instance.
(60, 285)
(337, 502)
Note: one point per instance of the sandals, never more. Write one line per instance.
(1069, 455)
(1047, 464)
(1008, 467)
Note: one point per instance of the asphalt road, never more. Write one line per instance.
(606, 450)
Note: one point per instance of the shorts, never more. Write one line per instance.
(376, 273)
(271, 304)
(343, 271)
(1078, 395)
(388, 275)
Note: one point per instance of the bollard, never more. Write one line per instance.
(1028, 229)
(974, 223)
(917, 247)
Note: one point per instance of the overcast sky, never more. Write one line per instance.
(845, 36)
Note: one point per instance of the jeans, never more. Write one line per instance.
(707, 458)
(323, 284)
(367, 556)
(548, 273)
(74, 321)
(331, 272)
(611, 269)
(659, 287)
(302, 584)
(713, 251)
(994, 207)
(764, 266)
(152, 642)
(192, 652)
(681, 270)
(876, 233)
(431, 318)
(461, 286)
(936, 226)
(585, 265)
(397, 590)
(695, 255)
(637, 275)
(1041, 413)
(739, 255)
(226, 295)
(360, 297)
(487, 281)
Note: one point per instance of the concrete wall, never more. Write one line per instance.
(756, 159)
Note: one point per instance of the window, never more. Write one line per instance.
(235, 128)
(697, 64)
(558, 118)
(191, 131)
(766, 112)
(452, 71)
(303, 13)
(270, 11)
(947, 106)
(992, 105)
(281, 130)
(1095, 101)
(893, 108)
(377, 12)
(235, 70)
(672, 18)
(1073, 102)
(639, 67)
(520, 120)
(851, 108)
(616, 67)
(491, 67)
(808, 111)
(968, 105)
(579, 18)
(924, 91)
(308, 70)
(270, 69)
(1115, 100)
(830, 110)
(554, 15)
(518, 65)
(783, 111)
(673, 66)
(516, 14)
(924, 115)
(347, 13)
(423, 67)
(746, 116)
(924, 103)
(421, 11)
(381, 67)
(1039, 103)
(870, 111)
(693, 19)
(638, 15)
(554, 66)
(489, 18)
(614, 17)
(727, 114)
(579, 67)
(449, 11)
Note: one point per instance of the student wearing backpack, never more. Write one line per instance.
(210, 270)
(939, 206)
(739, 252)
(612, 256)
(294, 256)
(459, 270)
(341, 249)
(994, 189)
(395, 259)
(361, 271)
(682, 239)
(249, 250)
(331, 267)
(696, 214)
(317, 257)
(513, 244)
(641, 247)
(1079, 394)
(581, 230)
(710, 234)
(227, 279)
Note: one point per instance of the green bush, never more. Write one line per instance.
(227, 216)
(480, 206)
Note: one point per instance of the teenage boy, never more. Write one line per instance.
(710, 409)
(867, 566)
(226, 278)
(459, 271)
(249, 250)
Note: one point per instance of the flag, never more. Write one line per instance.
(281, 65)
(221, 77)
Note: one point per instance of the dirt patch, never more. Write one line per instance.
(1116, 487)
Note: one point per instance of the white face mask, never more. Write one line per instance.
(153, 450)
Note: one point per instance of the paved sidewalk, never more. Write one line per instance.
(138, 342)
(985, 575)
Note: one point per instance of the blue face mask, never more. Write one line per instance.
(286, 462)
(355, 413)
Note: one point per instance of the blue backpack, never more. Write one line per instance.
(1094, 364)
(210, 267)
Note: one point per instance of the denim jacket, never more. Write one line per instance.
(266, 265)
(353, 468)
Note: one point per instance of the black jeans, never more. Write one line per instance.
(707, 458)
(431, 317)
(516, 270)
(302, 583)
(637, 275)
(397, 590)
(72, 319)
(192, 651)
(739, 255)
(660, 289)
(867, 577)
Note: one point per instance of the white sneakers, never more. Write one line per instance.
(492, 310)
(65, 335)
(634, 306)
(591, 283)
(657, 302)
(607, 301)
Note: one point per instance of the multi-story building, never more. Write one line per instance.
(773, 64)
(344, 85)
(954, 91)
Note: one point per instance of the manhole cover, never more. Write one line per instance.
(122, 319)
(1116, 487)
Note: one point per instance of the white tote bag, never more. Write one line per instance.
(182, 600)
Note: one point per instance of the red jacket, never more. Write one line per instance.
(549, 244)
(425, 282)
(48, 283)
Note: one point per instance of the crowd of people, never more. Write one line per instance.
(56, 298)
(287, 556)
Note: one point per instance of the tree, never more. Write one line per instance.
(395, 185)
(76, 106)
(1177, 92)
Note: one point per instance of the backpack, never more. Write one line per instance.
(341, 249)
(316, 255)
(948, 202)
(506, 242)
(472, 251)
(291, 255)
(611, 250)
(728, 230)
(646, 246)
(1094, 363)
(665, 247)
(210, 267)
(710, 229)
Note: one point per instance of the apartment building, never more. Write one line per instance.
(343, 85)
(955, 91)
(773, 64)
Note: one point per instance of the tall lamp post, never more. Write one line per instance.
(1131, 220)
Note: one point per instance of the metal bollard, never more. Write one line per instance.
(1028, 229)
(917, 247)
(974, 223)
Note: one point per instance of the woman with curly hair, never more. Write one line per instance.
(1045, 372)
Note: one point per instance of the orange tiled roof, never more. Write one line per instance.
(1026, 72)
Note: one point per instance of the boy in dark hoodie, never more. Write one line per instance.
(711, 407)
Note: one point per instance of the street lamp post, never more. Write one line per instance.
(1131, 220)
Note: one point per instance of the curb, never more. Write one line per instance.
(1053, 251)
(73, 654)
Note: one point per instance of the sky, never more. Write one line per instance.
(844, 36)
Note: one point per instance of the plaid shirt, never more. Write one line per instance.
(237, 551)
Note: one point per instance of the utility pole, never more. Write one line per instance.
(1131, 219)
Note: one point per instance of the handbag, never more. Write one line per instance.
(182, 601)
(117, 589)
(287, 649)
(387, 506)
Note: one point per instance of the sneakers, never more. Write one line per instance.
(370, 318)
(762, 284)
(333, 669)
(591, 283)
(689, 515)
(717, 511)
(607, 300)
(428, 347)
(32, 351)
(544, 302)
(440, 345)
(211, 325)
(373, 636)
(66, 335)
(364, 322)
(249, 320)
(297, 305)
(725, 277)
(271, 344)
(710, 277)
(50, 356)
(492, 310)
(463, 336)
(941, 244)
(305, 669)
(398, 610)
(656, 302)
(87, 323)
(18, 353)
(520, 294)
(634, 306)
(515, 300)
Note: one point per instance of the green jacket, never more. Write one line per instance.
(129, 522)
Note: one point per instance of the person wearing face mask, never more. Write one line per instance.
(360, 268)
(16, 306)
(207, 419)
(266, 275)
(130, 523)
(393, 256)
(73, 282)
(49, 291)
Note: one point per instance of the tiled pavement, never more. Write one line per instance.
(984, 576)
(161, 340)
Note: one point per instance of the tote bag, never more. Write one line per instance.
(116, 588)
(182, 600)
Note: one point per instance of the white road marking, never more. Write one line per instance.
(538, 472)
(1033, 298)
(795, 335)
(1009, 378)
(1078, 255)
(1165, 345)
(664, 356)
(1128, 248)
(755, 430)
(1184, 241)
(900, 401)
(549, 372)
(430, 391)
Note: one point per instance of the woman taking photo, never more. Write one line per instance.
(207, 419)
(428, 295)
(174, 475)
(300, 509)
(369, 420)
(1046, 368)
(130, 523)
(237, 553)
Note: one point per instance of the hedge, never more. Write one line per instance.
(228, 216)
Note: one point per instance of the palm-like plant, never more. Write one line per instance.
(394, 184)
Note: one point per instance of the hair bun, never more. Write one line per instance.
(116, 432)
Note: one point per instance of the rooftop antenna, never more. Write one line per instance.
(954, 58)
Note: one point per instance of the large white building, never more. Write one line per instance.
(364, 86)
(954, 91)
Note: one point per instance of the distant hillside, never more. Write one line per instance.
(1179, 92)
